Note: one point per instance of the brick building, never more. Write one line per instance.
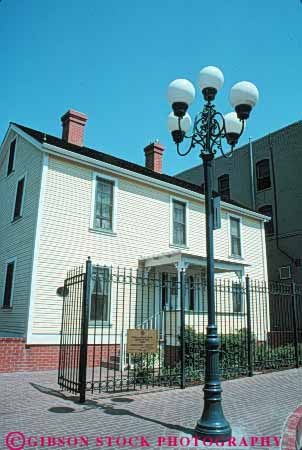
(265, 175)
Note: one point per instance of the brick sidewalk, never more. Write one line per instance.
(32, 404)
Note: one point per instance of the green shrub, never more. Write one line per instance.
(233, 358)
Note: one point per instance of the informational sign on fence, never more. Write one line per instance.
(142, 341)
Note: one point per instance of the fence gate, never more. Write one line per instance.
(125, 329)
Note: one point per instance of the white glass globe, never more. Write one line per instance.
(181, 91)
(185, 122)
(232, 123)
(211, 77)
(244, 93)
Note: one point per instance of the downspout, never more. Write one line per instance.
(275, 204)
(252, 174)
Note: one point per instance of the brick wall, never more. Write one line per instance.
(16, 356)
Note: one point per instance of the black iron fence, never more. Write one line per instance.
(124, 329)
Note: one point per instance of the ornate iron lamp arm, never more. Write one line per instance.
(208, 131)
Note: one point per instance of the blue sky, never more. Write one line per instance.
(114, 61)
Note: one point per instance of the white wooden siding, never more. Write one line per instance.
(142, 229)
(17, 239)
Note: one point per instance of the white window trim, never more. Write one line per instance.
(289, 272)
(186, 203)
(234, 216)
(6, 263)
(15, 138)
(96, 175)
(24, 175)
(101, 323)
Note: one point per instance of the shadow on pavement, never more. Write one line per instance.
(106, 408)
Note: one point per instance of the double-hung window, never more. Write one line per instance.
(263, 175)
(235, 237)
(100, 295)
(237, 298)
(224, 187)
(19, 200)
(9, 284)
(11, 157)
(103, 210)
(179, 223)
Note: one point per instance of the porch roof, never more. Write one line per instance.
(184, 259)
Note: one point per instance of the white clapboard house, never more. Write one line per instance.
(61, 202)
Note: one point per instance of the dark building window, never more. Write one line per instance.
(11, 158)
(203, 188)
(267, 210)
(224, 187)
(19, 199)
(9, 280)
(263, 175)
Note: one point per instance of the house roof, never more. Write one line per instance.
(109, 159)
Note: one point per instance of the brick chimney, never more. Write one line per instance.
(154, 156)
(73, 123)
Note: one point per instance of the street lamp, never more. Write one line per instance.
(210, 126)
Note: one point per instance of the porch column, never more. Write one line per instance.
(181, 266)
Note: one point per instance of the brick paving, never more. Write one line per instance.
(32, 404)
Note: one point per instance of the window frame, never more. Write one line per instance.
(186, 204)
(170, 287)
(13, 218)
(271, 222)
(6, 264)
(289, 269)
(239, 218)
(15, 138)
(258, 180)
(191, 293)
(101, 323)
(200, 303)
(237, 285)
(224, 198)
(114, 181)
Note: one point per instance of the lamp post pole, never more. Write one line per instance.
(209, 128)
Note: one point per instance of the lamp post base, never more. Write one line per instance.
(215, 427)
(218, 433)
